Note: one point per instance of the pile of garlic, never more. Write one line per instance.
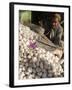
(36, 62)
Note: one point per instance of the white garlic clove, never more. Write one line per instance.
(29, 56)
(29, 70)
(34, 59)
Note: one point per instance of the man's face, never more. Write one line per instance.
(55, 23)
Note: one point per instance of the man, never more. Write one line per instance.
(56, 31)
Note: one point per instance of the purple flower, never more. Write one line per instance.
(32, 45)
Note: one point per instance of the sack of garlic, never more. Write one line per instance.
(34, 61)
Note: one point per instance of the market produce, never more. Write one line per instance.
(34, 61)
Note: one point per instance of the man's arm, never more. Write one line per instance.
(58, 36)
